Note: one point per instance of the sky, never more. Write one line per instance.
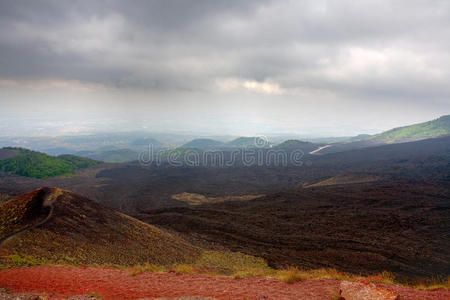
(312, 68)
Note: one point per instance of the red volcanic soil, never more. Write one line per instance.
(60, 282)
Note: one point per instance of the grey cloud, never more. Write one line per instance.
(188, 45)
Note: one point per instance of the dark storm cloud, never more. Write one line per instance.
(365, 49)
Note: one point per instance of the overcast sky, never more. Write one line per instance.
(240, 67)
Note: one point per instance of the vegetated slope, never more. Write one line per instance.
(433, 128)
(359, 228)
(306, 147)
(383, 142)
(360, 137)
(80, 231)
(422, 148)
(292, 143)
(203, 144)
(39, 165)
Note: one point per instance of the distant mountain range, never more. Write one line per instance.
(35, 164)
(293, 144)
(240, 142)
(430, 129)
(112, 156)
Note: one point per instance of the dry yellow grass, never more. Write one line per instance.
(198, 199)
(291, 275)
(136, 270)
(432, 284)
(186, 269)
(346, 179)
(239, 265)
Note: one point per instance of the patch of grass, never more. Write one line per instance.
(139, 269)
(230, 263)
(258, 273)
(238, 265)
(294, 274)
(432, 284)
(16, 259)
(384, 277)
(198, 199)
(69, 259)
(291, 275)
(330, 273)
(186, 269)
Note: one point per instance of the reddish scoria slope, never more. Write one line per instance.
(59, 282)
(58, 226)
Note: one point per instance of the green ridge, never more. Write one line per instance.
(39, 165)
(434, 128)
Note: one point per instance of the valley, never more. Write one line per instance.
(358, 212)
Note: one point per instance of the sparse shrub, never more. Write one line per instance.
(291, 275)
(16, 259)
(388, 277)
(254, 272)
(242, 274)
(136, 270)
(330, 274)
(432, 284)
(384, 277)
(69, 259)
(155, 268)
(185, 269)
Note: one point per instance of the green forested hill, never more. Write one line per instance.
(292, 143)
(434, 128)
(243, 142)
(39, 165)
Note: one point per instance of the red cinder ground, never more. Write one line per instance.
(60, 282)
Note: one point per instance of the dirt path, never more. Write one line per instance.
(319, 149)
(48, 202)
(50, 214)
(60, 282)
